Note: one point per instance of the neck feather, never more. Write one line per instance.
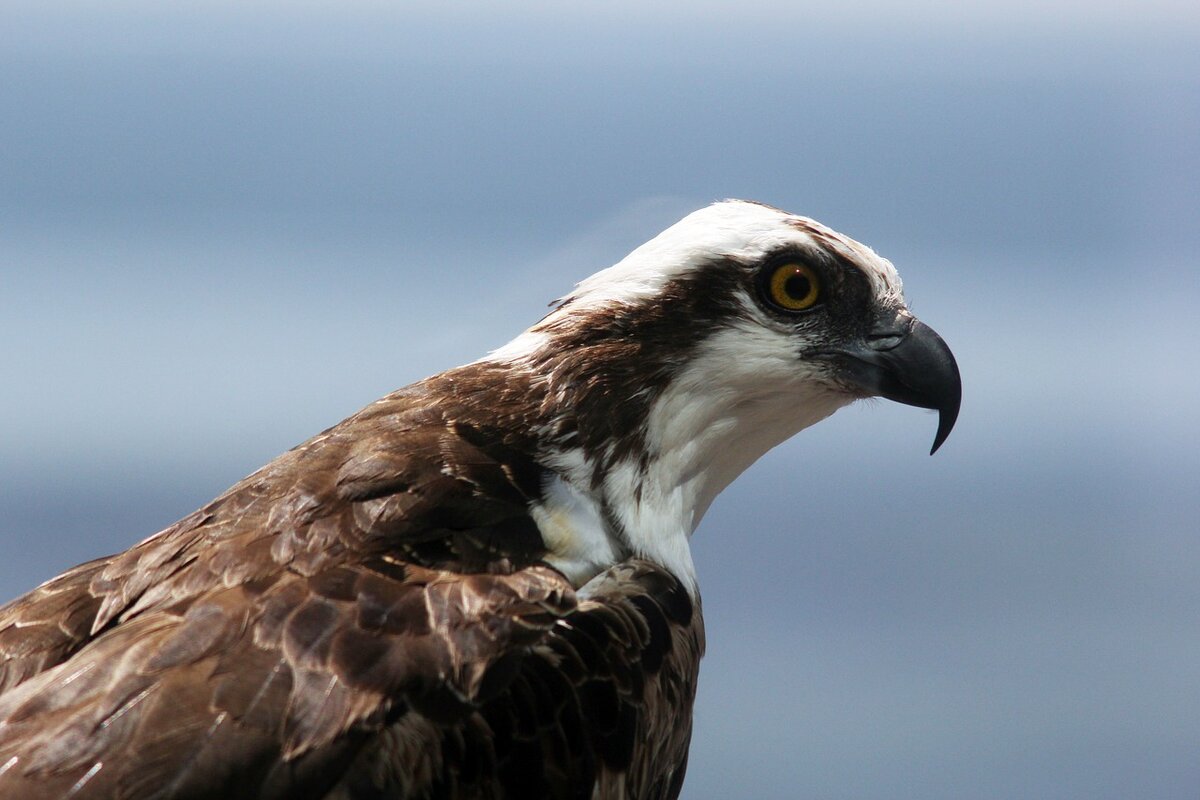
(635, 463)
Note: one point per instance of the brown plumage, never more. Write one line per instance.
(480, 586)
(365, 616)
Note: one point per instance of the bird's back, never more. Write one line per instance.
(366, 616)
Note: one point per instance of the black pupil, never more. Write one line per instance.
(797, 286)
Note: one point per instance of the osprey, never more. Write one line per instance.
(479, 586)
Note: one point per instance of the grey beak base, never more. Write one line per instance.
(914, 367)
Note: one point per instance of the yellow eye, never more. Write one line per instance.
(794, 287)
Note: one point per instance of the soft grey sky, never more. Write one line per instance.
(224, 228)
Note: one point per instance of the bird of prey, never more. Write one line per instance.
(479, 586)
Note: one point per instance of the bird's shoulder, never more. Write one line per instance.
(411, 476)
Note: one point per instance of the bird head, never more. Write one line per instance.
(672, 371)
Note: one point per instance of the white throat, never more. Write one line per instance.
(715, 419)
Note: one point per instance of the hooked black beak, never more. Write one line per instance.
(905, 360)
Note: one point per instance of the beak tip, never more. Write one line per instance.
(947, 416)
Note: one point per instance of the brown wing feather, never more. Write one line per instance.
(598, 706)
(407, 476)
(367, 613)
(252, 688)
(45, 626)
(372, 680)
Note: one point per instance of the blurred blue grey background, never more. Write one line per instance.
(226, 226)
